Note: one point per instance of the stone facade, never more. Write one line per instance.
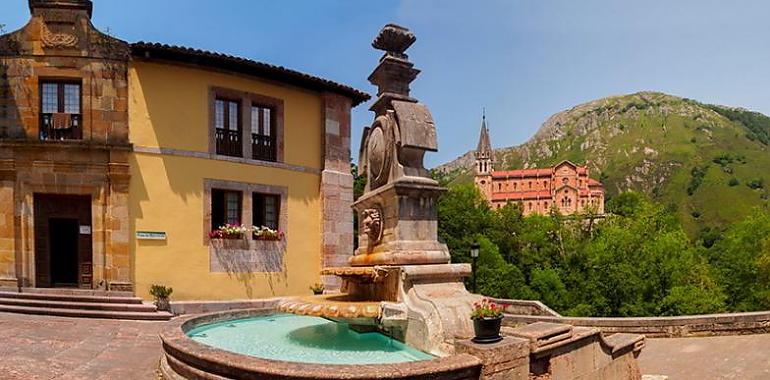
(566, 187)
(60, 43)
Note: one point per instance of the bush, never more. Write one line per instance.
(757, 183)
(697, 173)
(734, 182)
(161, 291)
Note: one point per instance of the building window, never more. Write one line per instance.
(263, 143)
(499, 186)
(60, 112)
(227, 117)
(265, 210)
(225, 208)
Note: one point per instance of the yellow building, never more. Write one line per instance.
(117, 161)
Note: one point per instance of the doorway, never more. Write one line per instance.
(63, 240)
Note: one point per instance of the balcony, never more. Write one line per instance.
(229, 142)
(65, 127)
(263, 148)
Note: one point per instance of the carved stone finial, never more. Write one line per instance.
(394, 40)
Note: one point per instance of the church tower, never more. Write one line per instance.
(484, 161)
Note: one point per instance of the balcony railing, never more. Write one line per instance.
(69, 129)
(229, 142)
(263, 148)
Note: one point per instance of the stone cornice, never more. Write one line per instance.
(211, 156)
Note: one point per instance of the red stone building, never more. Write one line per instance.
(565, 186)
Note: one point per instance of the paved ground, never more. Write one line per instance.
(723, 357)
(39, 347)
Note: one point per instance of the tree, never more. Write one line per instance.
(462, 214)
(741, 260)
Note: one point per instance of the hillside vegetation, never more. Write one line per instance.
(707, 164)
(636, 262)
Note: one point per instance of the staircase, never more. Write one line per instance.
(81, 303)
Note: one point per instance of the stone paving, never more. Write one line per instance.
(720, 357)
(40, 347)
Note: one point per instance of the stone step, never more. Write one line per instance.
(139, 308)
(76, 292)
(81, 313)
(70, 297)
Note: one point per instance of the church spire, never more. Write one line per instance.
(484, 148)
(483, 152)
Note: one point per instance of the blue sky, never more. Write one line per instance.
(521, 59)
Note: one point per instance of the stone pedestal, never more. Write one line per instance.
(399, 225)
(504, 360)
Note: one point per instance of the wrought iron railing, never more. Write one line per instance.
(64, 131)
(263, 147)
(229, 142)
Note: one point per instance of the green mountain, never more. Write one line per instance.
(711, 164)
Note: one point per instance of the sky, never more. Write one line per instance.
(521, 60)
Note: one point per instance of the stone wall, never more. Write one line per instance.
(336, 187)
(525, 312)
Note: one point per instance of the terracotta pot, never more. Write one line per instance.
(163, 304)
(487, 330)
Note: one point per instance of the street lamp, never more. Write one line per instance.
(474, 255)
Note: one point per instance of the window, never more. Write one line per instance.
(227, 117)
(262, 133)
(265, 210)
(60, 114)
(225, 208)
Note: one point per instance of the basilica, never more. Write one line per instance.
(565, 187)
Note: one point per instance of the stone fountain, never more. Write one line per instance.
(400, 279)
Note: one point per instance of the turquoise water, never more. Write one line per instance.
(299, 338)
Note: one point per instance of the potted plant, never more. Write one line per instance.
(266, 233)
(161, 294)
(317, 288)
(487, 317)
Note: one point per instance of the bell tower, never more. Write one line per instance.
(484, 162)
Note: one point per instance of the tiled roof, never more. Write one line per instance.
(147, 50)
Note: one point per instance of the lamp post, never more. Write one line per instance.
(474, 255)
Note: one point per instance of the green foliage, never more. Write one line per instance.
(733, 182)
(697, 173)
(636, 262)
(756, 183)
(741, 260)
(625, 204)
(757, 124)
(161, 291)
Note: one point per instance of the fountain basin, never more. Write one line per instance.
(305, 339)
(186, 358)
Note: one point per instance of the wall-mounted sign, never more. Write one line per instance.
(85, 230)
(150, 235)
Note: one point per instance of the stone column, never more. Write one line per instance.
(118, 271)
(336, 187)
(8, 275)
